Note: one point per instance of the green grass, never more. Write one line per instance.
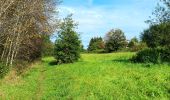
(94, 77)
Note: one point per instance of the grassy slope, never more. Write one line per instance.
(95, 76)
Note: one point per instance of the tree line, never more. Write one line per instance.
(24, 25)
(153, 45)
(115, 40)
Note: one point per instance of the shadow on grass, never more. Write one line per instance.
(122, 60)
(145, 65)
(53, 63)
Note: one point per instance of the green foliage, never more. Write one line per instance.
(47, 46)
(165, 54)
(133, 42)
(82, 49)
(149, 55)
(115, 40)
(138, 47)
(157, 35)
(67, 45)
(96, 45)
(134, 45)
(3, 70)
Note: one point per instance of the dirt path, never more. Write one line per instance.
(41, 77)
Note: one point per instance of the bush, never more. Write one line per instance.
(157, 55)
(147, 56)
(3, 70)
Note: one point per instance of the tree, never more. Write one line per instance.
(158, 34)
(133, 42)
(136, 45)
(161, 13)
(82, 49)
(22, 22)
(115, 40)
(96, 44)
(47, 46)
(67, 45)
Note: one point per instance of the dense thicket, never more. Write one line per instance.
(115, 40)
(22, 23)
(96, 45)
(67, 46)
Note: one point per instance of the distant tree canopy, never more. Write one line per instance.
(96, 44)
(133, 42)
(115, 40)
(136, 45)
(67, 45)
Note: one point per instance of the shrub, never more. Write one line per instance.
(3, 70)
(156, 55)
(147, 56)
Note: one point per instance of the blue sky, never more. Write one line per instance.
(97, 17)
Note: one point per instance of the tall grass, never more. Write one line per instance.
(93, 77)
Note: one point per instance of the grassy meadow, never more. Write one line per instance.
(93, 77)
